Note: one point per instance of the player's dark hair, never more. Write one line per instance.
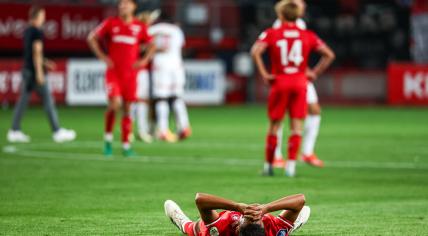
(165, 17)
(34, 11)
(251, 230)
(290, 11)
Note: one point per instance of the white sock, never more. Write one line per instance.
(108, 137)
(126, 146)
(312, 125)
(181, 114)
(278, 150)
(162, 112)
(290, 168)
(142, 110)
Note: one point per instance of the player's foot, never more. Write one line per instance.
(108, 149)
(267, 170)
(279, 162)
(147, 138)
(185, 133)
(17, 136)
(168, 137)
(290, 168)
(176, 215)
(127, 152)
(313, 161)
(64, 135)
(301, 219)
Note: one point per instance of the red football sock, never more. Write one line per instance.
(271, 142)
(126, 128)
(109, 121)
(188, 228)
(294, 146)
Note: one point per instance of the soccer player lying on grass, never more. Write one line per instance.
(240, 218)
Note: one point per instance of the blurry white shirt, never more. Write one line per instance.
(170, 38)
(299, 22)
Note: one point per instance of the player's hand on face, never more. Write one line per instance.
(312, 76)
(253, 212)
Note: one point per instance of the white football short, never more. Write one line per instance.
(143, 85)
(311, 96)
(168, 82)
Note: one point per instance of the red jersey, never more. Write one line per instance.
(228, 221)
(289, 48)
(123, 40)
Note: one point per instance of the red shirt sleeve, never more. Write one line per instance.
(265, 37)
(315, 41)
(104, 28)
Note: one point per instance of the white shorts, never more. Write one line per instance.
(311, 96)
(143, 90)
(168, 82)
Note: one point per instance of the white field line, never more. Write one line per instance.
(203, 160)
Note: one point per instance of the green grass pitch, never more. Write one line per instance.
(375, 181)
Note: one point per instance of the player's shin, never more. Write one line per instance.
(271, 143)
(110, 116)
(126, 131)
(312, 125)
(294, 142)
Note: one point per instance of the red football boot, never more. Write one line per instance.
(313, 160)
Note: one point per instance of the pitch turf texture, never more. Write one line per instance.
(375, 181)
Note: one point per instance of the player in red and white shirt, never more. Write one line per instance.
(123, 35)
(289, 48)
(240, 218)
(313, 120)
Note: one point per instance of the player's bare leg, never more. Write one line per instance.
(141, 116)
(126, 129)
(182, 118)
(279, 158)
(271, 143)
(162, 114)
(294, 141)
(110, 117)
(311, 129)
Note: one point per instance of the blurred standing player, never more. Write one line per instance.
(33, 79)
(124, 35)
(169, 78)
(289, 49)
(141, 108)
(313, 120)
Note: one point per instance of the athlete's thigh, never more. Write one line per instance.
(113, 86)
(298, 102)
(278, 101)
(312, 96)
(161, 83)
(143, 85)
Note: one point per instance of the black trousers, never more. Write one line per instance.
(29, 85)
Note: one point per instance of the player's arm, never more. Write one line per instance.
(291, 206)
(257, 51)
(38, 61)
(150, 52)
(208, 204)
(327, 58)
(96, 49)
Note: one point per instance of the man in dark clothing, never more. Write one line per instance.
(33, 79)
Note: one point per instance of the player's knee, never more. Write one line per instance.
(301, 200)
(315, 109)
